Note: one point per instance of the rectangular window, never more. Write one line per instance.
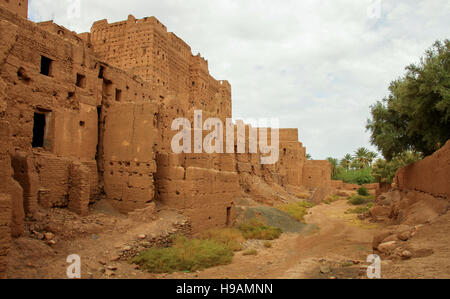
(228, 223)
(81, 81)
(38, 130)
(118, 95)
(46, 66)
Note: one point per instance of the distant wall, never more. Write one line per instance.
(430, 175)
(317, 174)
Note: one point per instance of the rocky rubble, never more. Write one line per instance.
(143, 241)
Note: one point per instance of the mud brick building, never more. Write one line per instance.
(87, 117)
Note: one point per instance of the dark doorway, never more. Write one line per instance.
(38, 130)
(228, 216)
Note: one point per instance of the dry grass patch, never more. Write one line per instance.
(297, 210)
(303, 195)
(256, 230)
(185, 255)
(230, 237)
(250, 252)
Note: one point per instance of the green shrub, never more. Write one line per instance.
(297, 210)
(185, 255)
(359, 199)
(230, 237)
(257, 230)
(363, 191)
(250, 252)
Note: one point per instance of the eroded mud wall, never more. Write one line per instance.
(430, 175)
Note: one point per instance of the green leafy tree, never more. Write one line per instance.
(416, 114)
(308, 156)
(384, 171)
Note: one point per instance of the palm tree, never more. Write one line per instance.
(308, 156)
(334, 166)
(346, 162)
(361, 157)
(371, 157)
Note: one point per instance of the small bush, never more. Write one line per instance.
(363, 191)
(184, 255)
(230, 237)
(250, 252)
(297, 210)
(267, 244)
(257, 230)
(357, 200)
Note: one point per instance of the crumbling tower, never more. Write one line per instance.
(20, 7)
(144, 48)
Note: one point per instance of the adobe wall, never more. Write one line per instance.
(76, 97)
(5, 232)
(317, 174)
(430, 175)
(337, 184)
(202, 186)
(69, 110)
(129, 158)
(8, 186)
(292, 158)
(20, 7)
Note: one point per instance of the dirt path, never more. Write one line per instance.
(341, 238)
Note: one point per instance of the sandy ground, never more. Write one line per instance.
(337, 249)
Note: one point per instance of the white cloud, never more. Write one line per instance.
(316, 65)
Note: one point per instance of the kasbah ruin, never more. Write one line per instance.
(87, 166)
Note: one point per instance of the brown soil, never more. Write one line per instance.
(338, 249)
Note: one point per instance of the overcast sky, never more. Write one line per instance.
(317, 65)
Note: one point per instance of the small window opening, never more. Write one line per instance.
(228, 223)
(118, 95)
(100, 72)
(82, 123)
(81, 80)
(38, 130)
(46, 66)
